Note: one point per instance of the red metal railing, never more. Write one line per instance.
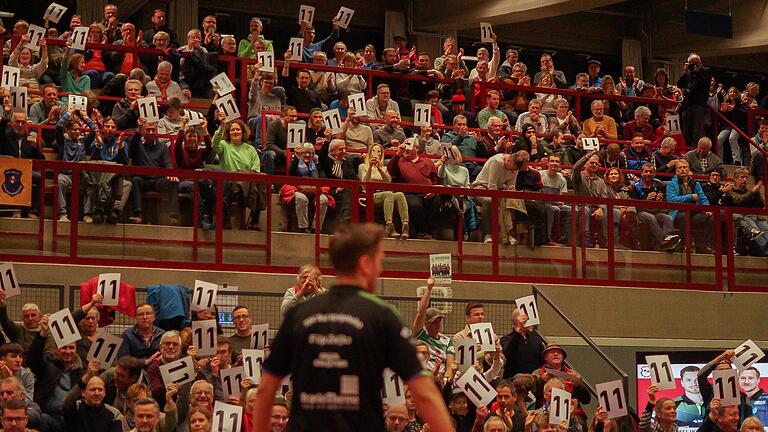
(598, 267)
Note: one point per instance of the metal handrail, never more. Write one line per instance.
(538, 292)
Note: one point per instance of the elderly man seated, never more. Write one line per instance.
(600, 125)
(701, 160)
(164, 88)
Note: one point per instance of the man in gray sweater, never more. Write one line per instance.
(586, 182)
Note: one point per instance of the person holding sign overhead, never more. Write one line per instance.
(427, 326)
(721, 418)
(368, 335)
(22, 58)
(664, 420)
(586, 182)
(299, 94)
(743, 410)
(309, 45)
(522, 347)
(72, 72)
(74, 144)
(57, 371)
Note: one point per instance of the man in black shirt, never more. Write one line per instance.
(694, 82)
(297, 87)
(522, 347)
(336, 346)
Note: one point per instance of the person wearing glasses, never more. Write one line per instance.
(142, 340)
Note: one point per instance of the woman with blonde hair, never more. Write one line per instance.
(373, 170)
(612, 108)
(665, 408)
(547, 99)
(752, 424)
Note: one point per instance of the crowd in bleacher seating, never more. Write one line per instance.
(52, 388)
(520, 131)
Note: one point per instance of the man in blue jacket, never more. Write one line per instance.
(683, 188)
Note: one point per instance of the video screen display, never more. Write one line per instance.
(685, 368)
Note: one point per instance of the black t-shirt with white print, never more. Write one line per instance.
(336, 347)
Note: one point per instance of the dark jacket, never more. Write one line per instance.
(348, 167)
(695, 86)
(48, 370)
(79, 416)
(198, 69)
(125, 117)
(133, 344)
(523, 353)
(10, 146)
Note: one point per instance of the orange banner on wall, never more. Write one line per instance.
(15, 182)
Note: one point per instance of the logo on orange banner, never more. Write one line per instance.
(16, 177)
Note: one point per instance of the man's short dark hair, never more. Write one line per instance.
(505, 383)
(350, 242)
(144, 304)
(472, 305)
(146, 401)
(16, 404)
(131, 364)
(689, 369)
(238, 307)
(763, 122)
(223, 340)
(752, 368)
(11, 348)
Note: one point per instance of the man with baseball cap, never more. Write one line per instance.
(593, 70)
(427, 326)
